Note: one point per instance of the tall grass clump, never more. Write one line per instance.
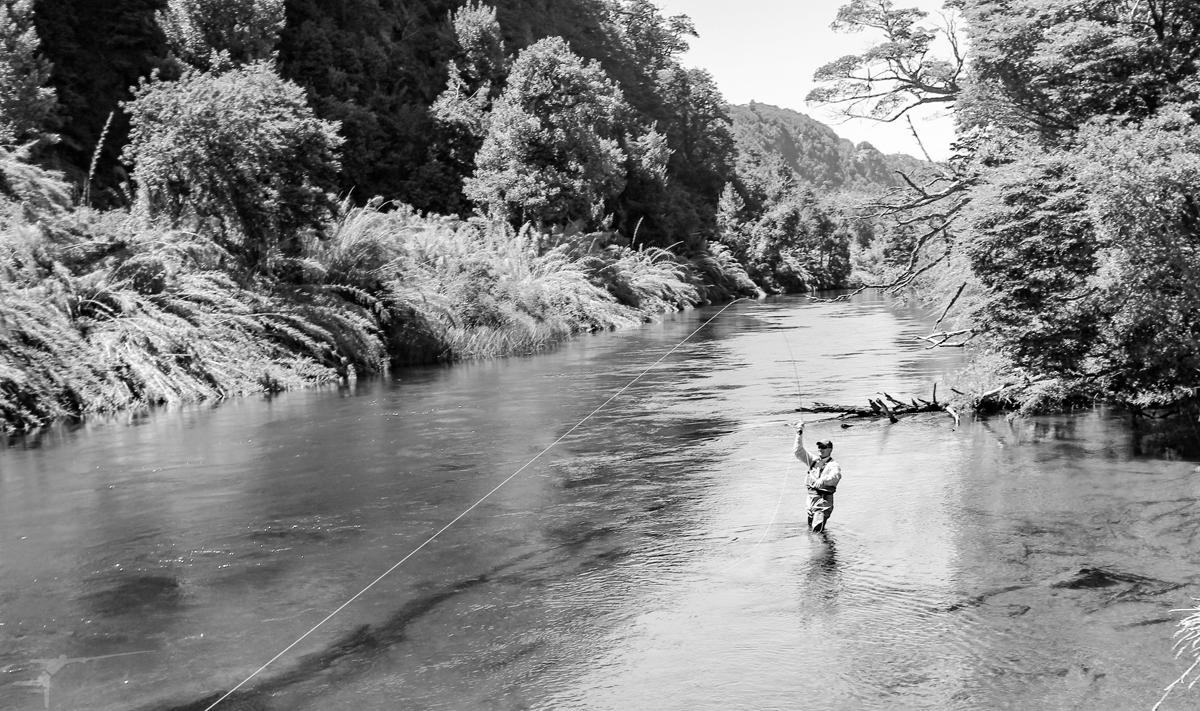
(105, 310)
(1187, 644)
(450, 289)
(144, 325)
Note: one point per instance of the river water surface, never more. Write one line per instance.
(655, 558)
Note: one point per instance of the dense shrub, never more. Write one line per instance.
(551, 153)
(237, 155)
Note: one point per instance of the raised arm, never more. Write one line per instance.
(798, 448)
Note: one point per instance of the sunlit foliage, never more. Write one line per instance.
(238, 155)
(551, 154)
(213, 34)
(26, 102)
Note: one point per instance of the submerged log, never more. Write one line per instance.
(884, 406)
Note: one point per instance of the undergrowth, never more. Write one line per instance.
(101, 311)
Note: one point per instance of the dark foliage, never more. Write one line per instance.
(99, 50)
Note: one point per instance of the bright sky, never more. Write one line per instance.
(768, 50)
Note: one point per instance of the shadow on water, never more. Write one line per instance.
(136, 594)
(353, 653)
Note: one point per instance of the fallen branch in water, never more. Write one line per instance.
(884, 406)
(940, 338)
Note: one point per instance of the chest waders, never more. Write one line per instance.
(820, 501)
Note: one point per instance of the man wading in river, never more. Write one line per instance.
(822, 480)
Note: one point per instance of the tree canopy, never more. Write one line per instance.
(237, 154)
(551, 154)
(896, 73)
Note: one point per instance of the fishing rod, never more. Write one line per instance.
(795, 372)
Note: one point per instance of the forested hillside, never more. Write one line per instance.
(814, 151)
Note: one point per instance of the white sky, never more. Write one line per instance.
(768, 50)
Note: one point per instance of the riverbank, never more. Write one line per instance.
(103, 311)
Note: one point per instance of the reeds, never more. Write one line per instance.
(99, 312)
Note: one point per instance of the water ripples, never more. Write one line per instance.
(657, 558)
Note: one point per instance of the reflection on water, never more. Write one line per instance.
(656, 558)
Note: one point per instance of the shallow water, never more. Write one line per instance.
(655, 558)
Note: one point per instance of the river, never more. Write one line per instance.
(655, 558)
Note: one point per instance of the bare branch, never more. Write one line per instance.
(946, 311)
(920, 143)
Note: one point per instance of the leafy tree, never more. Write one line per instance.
(551, 154)
(654, 41)
(1083, 231)
(476, 77)
(1143, 185)
(896, 74)
(239, 152)
(730, 220)
(696, 123)
(461, 111)
(1033, 247)
(26, 103)
(210, 34)
(376, 68)
(1051, 65)
(482, 63)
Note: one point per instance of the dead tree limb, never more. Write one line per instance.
(880, 407)
(939, 339)
(994, 391)
(948, 307)
(890, 415)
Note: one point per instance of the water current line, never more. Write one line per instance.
(474, 505)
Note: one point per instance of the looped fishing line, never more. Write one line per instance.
(786, 473)
(472, 506)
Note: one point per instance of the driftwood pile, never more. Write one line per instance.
(884, 406)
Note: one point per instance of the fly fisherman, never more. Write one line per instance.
(822, 480)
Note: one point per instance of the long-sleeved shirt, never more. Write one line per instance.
(823, 473)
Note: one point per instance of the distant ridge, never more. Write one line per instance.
(814, 150)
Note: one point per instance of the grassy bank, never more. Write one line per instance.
(101, 311)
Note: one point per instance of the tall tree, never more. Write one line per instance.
(476, 77)
(897, 73)
(213, 34)
(696, 124)
(1050, 65)
(238, 154)
(26, 103)
(551, 154)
